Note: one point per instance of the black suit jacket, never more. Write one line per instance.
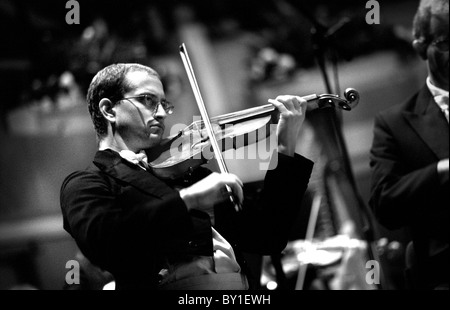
(127, 221)
(409, 139)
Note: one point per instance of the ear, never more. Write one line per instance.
(106, 108)
(421, 48)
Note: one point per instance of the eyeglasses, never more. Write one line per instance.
(440, 44)
(152, 103)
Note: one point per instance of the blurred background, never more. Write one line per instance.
(243, 51)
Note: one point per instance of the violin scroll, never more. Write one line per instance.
(352, 97)
(334, 101)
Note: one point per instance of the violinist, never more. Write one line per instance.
(149, 233)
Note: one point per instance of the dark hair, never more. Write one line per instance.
(110, 83)
(422, 20)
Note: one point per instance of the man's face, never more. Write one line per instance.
(438, 61)
(138, 126)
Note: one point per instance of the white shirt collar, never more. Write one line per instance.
(139, 159)
(436, 91)
(440, 97)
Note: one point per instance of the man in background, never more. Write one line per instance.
(410, 157)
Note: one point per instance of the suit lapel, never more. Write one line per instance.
(113, 164)
(430, 123)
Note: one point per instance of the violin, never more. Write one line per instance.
(178, 155)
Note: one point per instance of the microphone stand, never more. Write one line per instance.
(323, 42)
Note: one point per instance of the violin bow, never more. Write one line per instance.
(206, 120)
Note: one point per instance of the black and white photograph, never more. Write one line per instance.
(226, 152)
